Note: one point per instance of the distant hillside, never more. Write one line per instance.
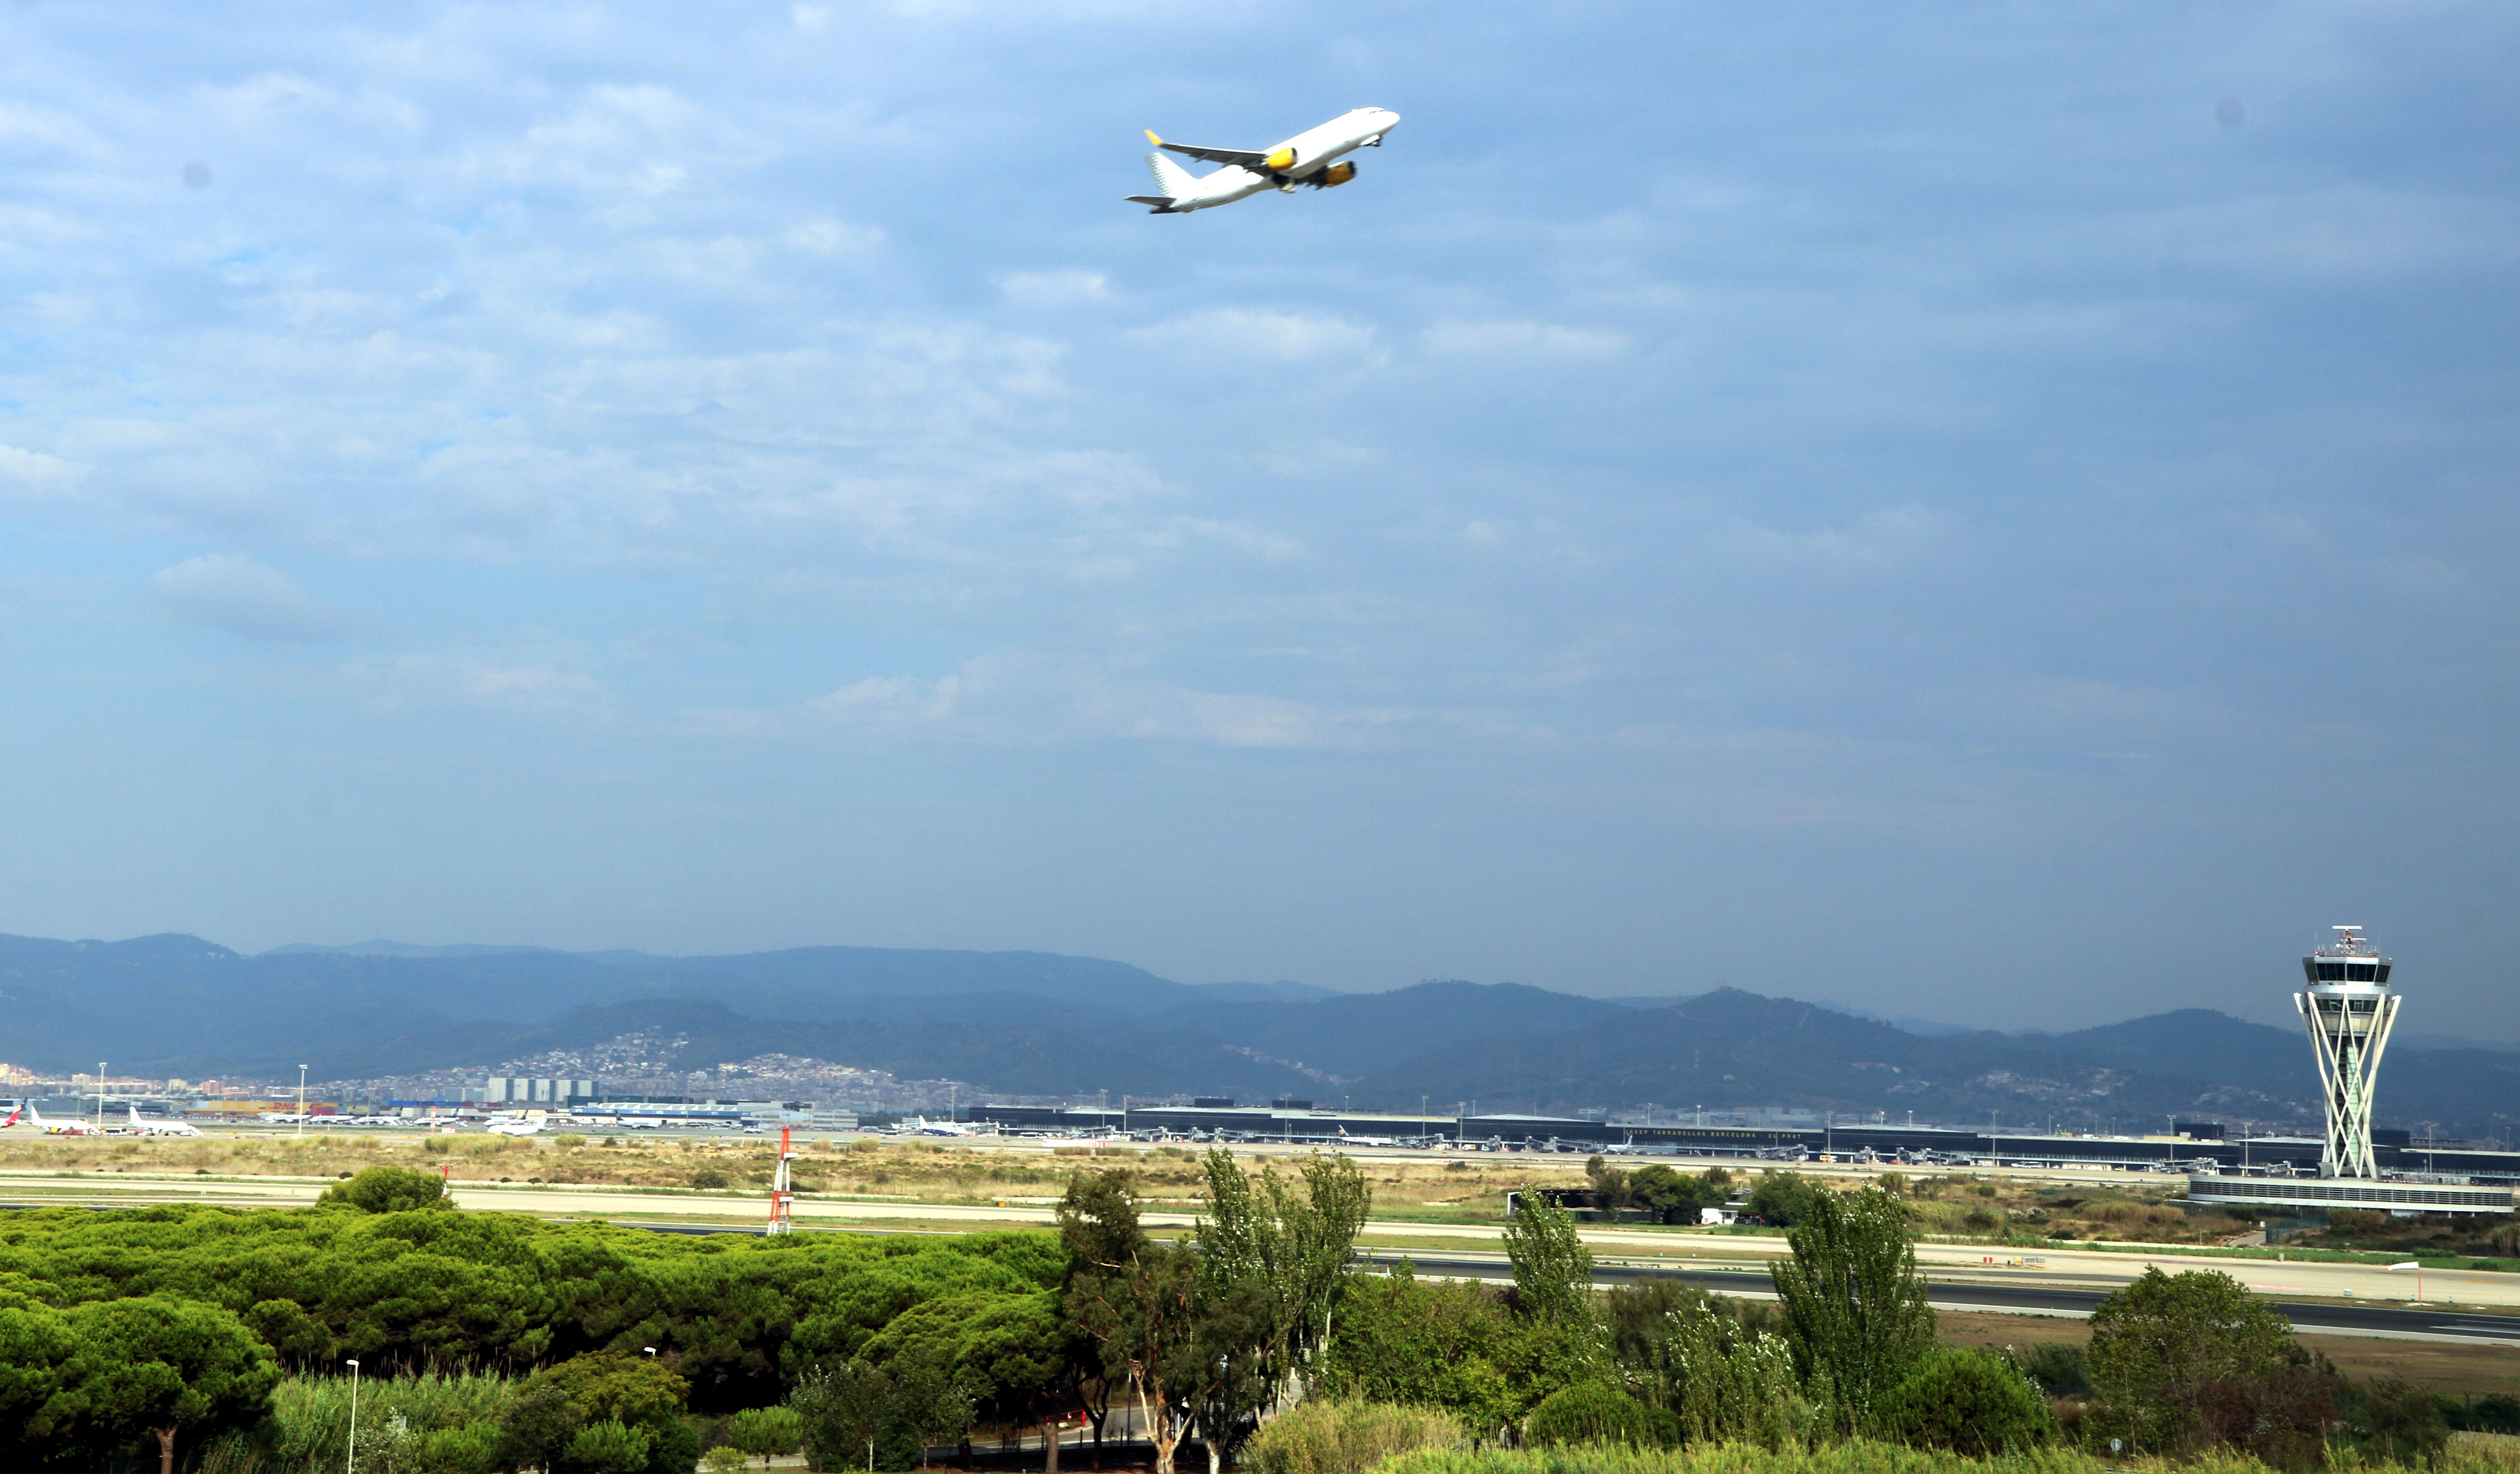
(1735, 1048)
(1363, 1034)
(1039, 1023)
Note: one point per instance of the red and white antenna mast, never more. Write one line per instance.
(782, 1200)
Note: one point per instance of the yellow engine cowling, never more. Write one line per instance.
(1280, 161)
(1337, 173)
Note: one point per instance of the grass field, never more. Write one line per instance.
(2443, 1366)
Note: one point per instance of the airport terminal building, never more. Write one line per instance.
(2199, 1146)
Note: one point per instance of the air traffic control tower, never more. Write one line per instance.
(2348, 1010)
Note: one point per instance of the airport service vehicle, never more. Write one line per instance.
(1317, 157)
(140, 1127)
(36, 1119)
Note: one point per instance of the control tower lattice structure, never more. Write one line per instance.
(2348, 1010)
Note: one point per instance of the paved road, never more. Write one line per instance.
(2426, 1322)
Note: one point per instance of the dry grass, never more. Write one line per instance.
(921, 1171)
(2443, 1366)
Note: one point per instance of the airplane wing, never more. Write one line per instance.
(1244, 156)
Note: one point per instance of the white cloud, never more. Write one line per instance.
(1054, 289)
(835, 237)
(1521, 340)
(234, 593)
(1255, 333)
(1018, 697)
(524, 683)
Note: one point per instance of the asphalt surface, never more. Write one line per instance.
(2421, 1322)
(2429, 1322)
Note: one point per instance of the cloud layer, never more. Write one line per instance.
(1716, 490)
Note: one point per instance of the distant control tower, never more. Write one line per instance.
(2348, 1010)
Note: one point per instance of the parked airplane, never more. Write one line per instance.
(512, 1124)
(1316, 156)
(161, 1127)
(36, 1119)
(923, 1127)
(1366, 1141)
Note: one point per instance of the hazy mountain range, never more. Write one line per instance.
(1038, 1022)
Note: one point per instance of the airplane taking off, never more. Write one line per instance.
(161, 1127)
(1316, 156)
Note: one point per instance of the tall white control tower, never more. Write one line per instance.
(2348, 1010)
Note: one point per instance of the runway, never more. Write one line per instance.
(2425, 1322)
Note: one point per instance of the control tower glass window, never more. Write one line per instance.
(2331, 972)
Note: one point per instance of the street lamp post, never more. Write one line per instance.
(350, 1465)
(301, 1100)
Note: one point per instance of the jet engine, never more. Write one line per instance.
(1279, 161)
(1337, 173)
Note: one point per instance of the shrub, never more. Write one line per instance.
(1587, 1413)
(389, 1190)
(2494, 1412)
(2059, 1367)
(608, 1448)
(2159, 1345)
(2394, 1420)
(1969, 1401)
(708, 1179)
(1324, 1436)
(767, 1432)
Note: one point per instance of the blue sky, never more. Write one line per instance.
(1982, 512)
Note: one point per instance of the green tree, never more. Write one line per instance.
(389, 1190)
(770, 1432)
(1553, 1271)
(1785, 1198)
(1272, 1264)
(849, 1423)
(2159, 1341)
(537, 1427)
(40, 1395)
(1710, 1368)
(1967, 1400)
(1673, 1196)
(1426, 1343)
(610, 1446)
(1853, 1305)
(161, 1368)
(1138, 1301)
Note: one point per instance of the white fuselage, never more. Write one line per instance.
(161, 1127)
(1308, 153)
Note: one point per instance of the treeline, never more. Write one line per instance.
(585, 1348)
(2177, 1364)
(165, 1327)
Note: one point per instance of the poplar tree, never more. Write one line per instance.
(1855, 1309)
